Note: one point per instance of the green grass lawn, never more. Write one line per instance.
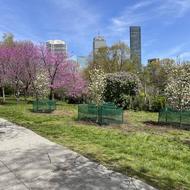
(158, 155)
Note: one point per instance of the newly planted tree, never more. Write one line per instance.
(178, 87)
(97, 86)
(40, 84)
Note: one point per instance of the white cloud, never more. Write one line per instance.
(133, 15)
(175, 51)
(144, 11)
(76, 14)
(141, 4)
(77, 22)
(175, 8)
(185, 55)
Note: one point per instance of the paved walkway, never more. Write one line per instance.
(29, 161)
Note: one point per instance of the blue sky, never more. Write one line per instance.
(165, 23)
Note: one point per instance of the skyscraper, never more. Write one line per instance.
(135, 44)
(56, 46)
(98, 42)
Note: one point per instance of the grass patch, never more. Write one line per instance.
(157, 155)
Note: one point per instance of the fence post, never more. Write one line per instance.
(100, 114)
(180, 124)
(166, 115)
(122, 116)
(37, 106)
(98, 119)
(78, 112)
(159, 116)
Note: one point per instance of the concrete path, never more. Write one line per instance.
(29, 161)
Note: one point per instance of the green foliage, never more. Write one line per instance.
(154, 76)
(121, 85)
(126, 101)
(144, 103)
(158, 103)
(112, 59)
(148, 103)
(8, 90)
(8, 39)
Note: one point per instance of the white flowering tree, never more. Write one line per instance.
(41, 84)
(178, 87)
(97, 86)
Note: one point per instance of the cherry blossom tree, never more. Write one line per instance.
(30, 61)
(4, 60)
(18, 64)
(23, 64)
(63, 73)
(16, 68)
(76, 86)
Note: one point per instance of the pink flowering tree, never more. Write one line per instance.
(77, 86)
(63, 73)
(30, 62)
(21, 61)
(15, 68)
(4, 61)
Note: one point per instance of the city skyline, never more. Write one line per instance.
(164, 23)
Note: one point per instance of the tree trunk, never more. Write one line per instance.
(17, 96)
(51, 96)
(25, 95)
(3, 93)
(180, 124)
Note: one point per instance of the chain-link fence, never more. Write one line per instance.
(105, 114)
(44, 106)
(174, 117)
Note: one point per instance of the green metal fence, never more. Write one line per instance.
(105, 114)
(44, 106)
(174, 117)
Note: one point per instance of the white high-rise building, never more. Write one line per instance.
(57, 46)
(98, 42)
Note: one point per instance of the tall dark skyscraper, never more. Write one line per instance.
(135, 44)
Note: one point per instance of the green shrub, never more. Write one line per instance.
(148, 103)
(120, 87)
(126, 101)
(158, 103)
